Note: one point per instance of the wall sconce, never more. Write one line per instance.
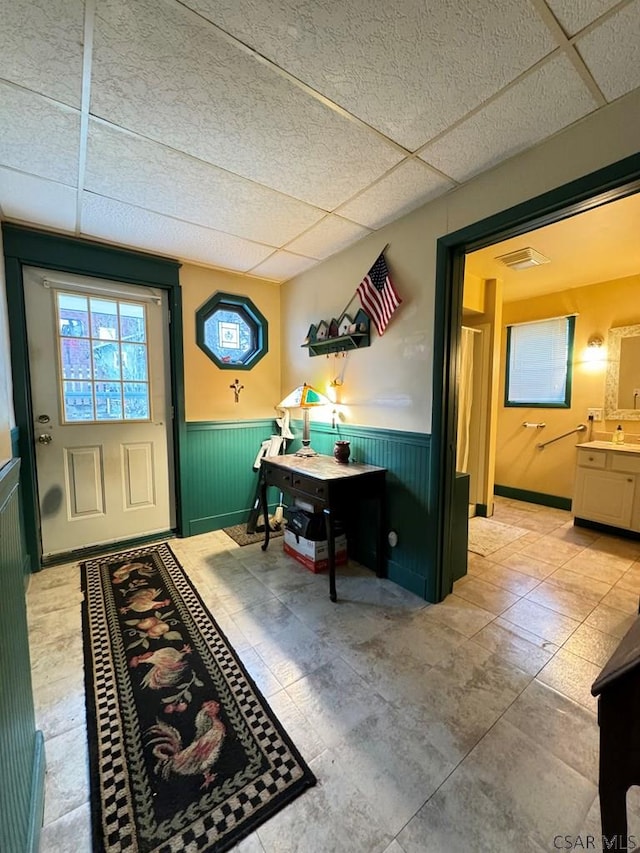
(596, 353)
(595, 341)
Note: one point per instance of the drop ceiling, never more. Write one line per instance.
(599, 245)
(262, 136)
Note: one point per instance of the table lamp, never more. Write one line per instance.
(304, 397)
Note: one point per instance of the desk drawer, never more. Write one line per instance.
(592, 458)
(309, 486)
(279, 479)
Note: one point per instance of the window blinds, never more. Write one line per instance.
(538, 355)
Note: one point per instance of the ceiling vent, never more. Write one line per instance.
(523, 259)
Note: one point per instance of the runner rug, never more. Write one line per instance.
(185, 754)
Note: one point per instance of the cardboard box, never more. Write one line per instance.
(314, 555)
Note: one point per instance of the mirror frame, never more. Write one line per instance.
(611, 410)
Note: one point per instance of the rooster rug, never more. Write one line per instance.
(185, 754)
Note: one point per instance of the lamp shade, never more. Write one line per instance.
(303, 397)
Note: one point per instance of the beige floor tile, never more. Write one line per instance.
(516, 645)
(459, 614)
(541, 621)
(609, 620)
(592, 645)
(622, 599)
(631, 579)
(528, 565)
(495, 599)
(572, 676)
(575, 582)
(576, 605)
(509, 579)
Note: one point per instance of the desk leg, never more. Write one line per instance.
(265, 510)
(331, 545)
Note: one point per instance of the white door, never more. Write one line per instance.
(100, 388)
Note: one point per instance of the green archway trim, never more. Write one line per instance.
(608, 184)
(28, 247)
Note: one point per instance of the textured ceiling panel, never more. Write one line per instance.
(612, 52)
(282, 266)
(328, 237)
(575, 15)
(163, 72)
(542, 103)
(132, 226)
(147, 174)
(38, 136)
(28, 199)
(407, 67)
(408, 186)
(41, 46)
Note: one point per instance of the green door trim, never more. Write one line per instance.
(613, 182)
(28, 247)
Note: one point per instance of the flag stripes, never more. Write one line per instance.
(378, 295)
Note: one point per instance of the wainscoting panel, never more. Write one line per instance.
(219, 472)
(222, 484)
(21, 754)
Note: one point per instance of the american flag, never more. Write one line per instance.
(378, 295)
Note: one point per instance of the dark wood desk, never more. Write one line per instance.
(329, 486)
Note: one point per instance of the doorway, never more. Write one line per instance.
(65, 257)
(614, 182)
(98, 360)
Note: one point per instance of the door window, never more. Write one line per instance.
(103, 359)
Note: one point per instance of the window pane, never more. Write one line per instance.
(104, 319)
(136, 401)
(229, 336)
(132, 323)
(78, 401)
(134, 362)
(75, 358)
(73, 316)
(538, 362)
(108, 401)
(106, 360)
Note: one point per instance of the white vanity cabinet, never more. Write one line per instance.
(607, 486)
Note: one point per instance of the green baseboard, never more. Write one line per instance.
(218, 522)
(481, 510)
(532, 497)
(406, 578)
(36, 805)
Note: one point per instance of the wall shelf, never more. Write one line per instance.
(339, 335)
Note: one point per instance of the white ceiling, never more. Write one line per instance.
(262, 136)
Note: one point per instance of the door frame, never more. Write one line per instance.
(29, 247)
(613, 182)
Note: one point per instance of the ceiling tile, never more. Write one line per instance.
(132, 169)
(612, 52)
(132, 226)
(282, 266)
(575, 15)
(542, 103)
(38, 135)
(408, 186)
(163, 72)
(407, 67)
(41, 46)
(30, 199)
(328, 237)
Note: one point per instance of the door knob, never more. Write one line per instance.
(45, 438)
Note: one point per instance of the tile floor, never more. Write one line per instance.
(462, 726)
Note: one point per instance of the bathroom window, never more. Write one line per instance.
(231, 331)
(539, 359)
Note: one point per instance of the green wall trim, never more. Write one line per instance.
(36, 810)
(230, 519)
(30, 247)
(615, 181)
(263, 423)
(406, 578)
(481, 510)
(532, 497)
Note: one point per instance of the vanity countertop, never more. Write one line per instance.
(609, 445)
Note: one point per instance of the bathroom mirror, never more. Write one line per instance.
(622, 391)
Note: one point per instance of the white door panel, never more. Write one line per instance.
(101, 405)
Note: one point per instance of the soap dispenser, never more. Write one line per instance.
(618, 435)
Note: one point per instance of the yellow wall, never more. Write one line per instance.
(390, 383)
(6, 403)
(551, 471)
(207, 393)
